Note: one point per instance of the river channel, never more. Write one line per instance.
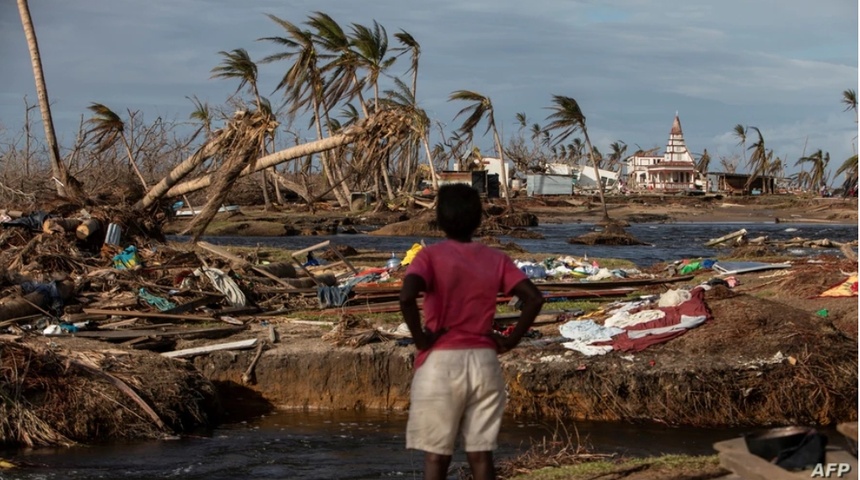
(327, 445)
(666, 242)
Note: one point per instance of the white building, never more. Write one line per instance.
(674, 171)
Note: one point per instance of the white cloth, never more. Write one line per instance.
(686, 322)
(625, 319)
(673, 298)
(583, 333)
(224, 284)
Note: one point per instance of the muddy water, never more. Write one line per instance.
(325, 445)
(667, 242)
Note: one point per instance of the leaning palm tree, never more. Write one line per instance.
(849, 98)
(704, 162)
(759, 161)
(818, 172)
(481, 108)
(66, 185)
(107, 128)
(740, 133)
(849, 168)
(568, 118)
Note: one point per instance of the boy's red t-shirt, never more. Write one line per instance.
(463, 281)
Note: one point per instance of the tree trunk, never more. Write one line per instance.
(66, 185)
(596, 173)
(504, 179)
(430, 162)
(179, 172)
(270, 160)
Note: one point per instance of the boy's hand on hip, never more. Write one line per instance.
(429, 337)
(503, 343)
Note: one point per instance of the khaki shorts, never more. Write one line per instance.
(456, 391)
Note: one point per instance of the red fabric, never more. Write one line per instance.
(694, 307)
(463, 281)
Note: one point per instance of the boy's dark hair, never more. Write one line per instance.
(459, 211)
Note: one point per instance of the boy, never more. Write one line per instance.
(458, 385)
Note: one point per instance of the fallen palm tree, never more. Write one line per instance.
(385, 124)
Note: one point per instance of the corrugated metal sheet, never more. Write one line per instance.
(540, 184)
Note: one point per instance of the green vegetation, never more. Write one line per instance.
(668, 466)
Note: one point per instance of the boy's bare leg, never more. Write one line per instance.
(481, 464)
(436, 466)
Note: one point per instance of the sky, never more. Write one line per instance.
(779, 65)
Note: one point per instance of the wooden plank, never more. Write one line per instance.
(311, 248)
(191, 352)
(156, 315)
(192, 304)
(849, 429)
(128, 334)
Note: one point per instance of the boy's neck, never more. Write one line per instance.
(461, 240)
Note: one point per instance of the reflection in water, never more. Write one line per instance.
(328, 445)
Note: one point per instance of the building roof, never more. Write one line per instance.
(676, 126)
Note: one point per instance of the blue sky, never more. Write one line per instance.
(779, 65)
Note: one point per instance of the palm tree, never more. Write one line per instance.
(371, 47)
(849, 98)
(568, 118)
(741, 135)
(108, 127)
(237, 64)
(303, 84)
(618, 148)
(759, 161)
(67, 185)
(481, 108)
(849, 168)
(411, 45)
(403, 99)
(818, 172)
(704, 162)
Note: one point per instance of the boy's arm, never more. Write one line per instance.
(413, 285)
(532, 300)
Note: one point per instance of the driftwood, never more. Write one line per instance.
(191, 352)
(34, 303)
(150, 315)
(726, 238)
(60, 225)
(248, 378)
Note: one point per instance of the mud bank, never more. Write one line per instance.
(747, 367)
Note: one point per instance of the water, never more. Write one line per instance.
(326, 445)
(667, 242)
